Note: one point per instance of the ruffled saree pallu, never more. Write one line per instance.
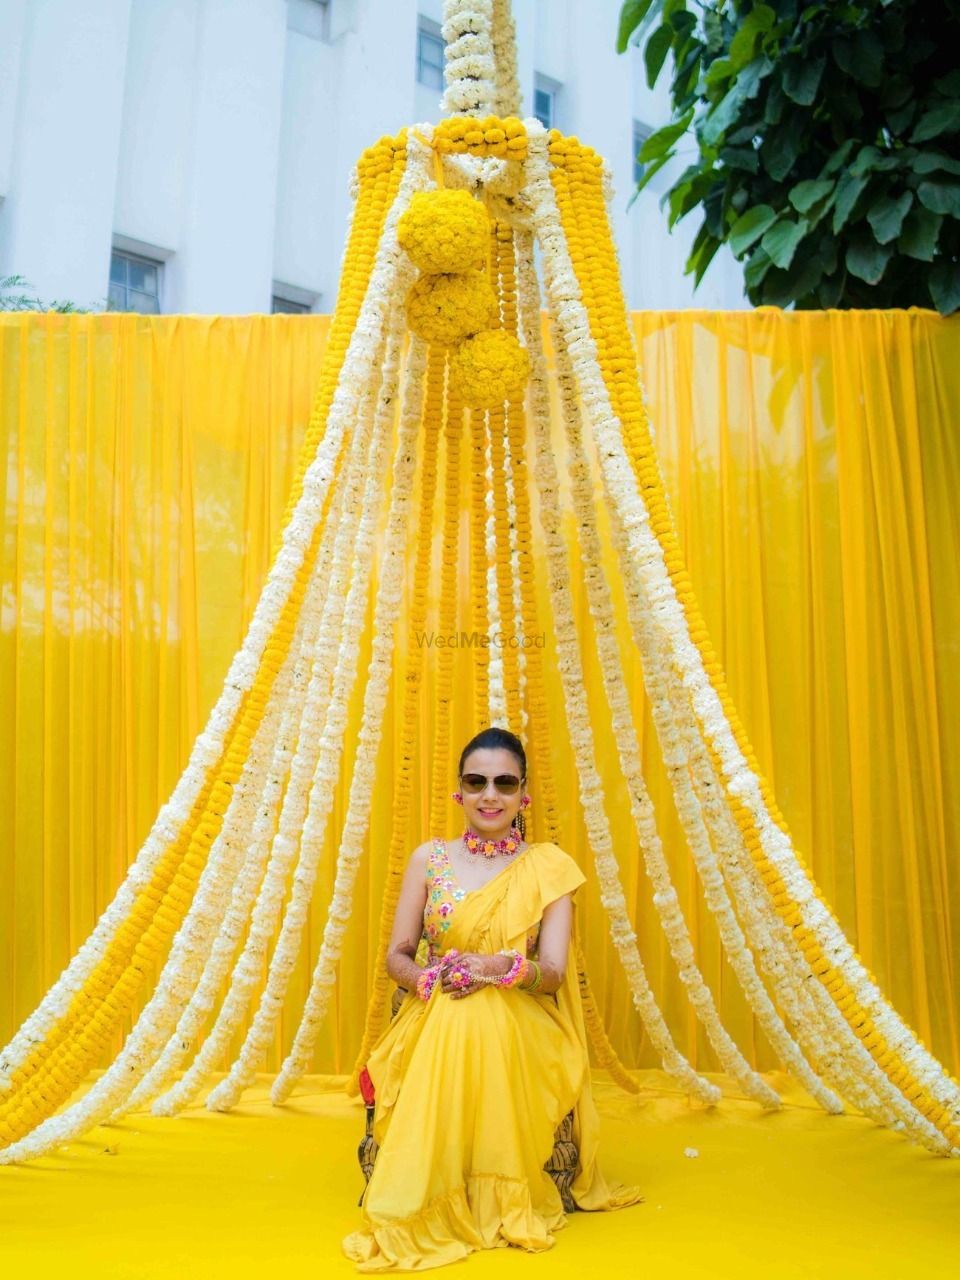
(469, 1094)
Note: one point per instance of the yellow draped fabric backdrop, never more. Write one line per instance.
(811, 461)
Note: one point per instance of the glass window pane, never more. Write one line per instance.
(430, 58)
(543, 107)
(116, 297)
(144, 303)
(142, 275)
(118, 269)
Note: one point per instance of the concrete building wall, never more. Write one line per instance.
(217, 137)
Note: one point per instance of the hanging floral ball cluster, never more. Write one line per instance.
(453, 304)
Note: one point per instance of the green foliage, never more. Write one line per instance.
(13, 297)
(828, 140)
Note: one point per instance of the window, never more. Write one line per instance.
(310, 18)
(430, 48)
(292, 299)
(287, 306)
(134, 283)
(641, 132)
(546, 94)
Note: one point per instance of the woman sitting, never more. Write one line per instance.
(487, 1053)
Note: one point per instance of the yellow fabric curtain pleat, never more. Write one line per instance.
(811, 461)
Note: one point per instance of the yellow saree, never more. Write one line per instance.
(469, 1094)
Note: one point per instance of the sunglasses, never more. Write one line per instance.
(505, 783)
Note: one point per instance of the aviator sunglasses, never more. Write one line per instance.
(505, 783)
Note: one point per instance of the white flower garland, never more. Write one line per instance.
(645, 567)
(571, 674)
(359, 368)
(665, 897)
(260, 828)
(470, 70)
(321, 794)
(496, 690)
(362, 785)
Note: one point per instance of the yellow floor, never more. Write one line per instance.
(266, 1191)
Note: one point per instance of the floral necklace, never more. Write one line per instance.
(477, 845)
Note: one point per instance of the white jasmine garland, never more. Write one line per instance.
(287, 947)
(665, 897)
(261, 825)
(577, 711)
(181, 968)
(642, 544)
(363, 782)
(288, 840)
(496, 690)
(470, 71)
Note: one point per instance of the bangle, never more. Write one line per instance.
(538, 978)
(427, 981)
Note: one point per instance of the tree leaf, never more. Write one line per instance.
(849, 189)
(750, 226)
(723, 114)
(887, 215)
(744, 158)
(781, 240)
(655, 52)
(919, 236)
(838, 159)
(944, 286)
(944, 118)
(932, 161)
(756, 268)
(866, 259)
(719, 69)
(659, 142)
(761, 18)
(805, 194)
(868, 57)
(801, 79)
(940, 197)
(632, 14)
(782, 146)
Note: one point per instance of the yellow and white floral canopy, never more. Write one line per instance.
(230, 864)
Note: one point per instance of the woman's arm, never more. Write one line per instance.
(554, 943)
(408, 921)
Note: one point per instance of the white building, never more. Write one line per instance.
(197, 153)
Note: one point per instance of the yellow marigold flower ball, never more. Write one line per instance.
(444, 309)
(444, 231)
(489, 368)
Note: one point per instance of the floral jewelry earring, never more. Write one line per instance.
(457, 795)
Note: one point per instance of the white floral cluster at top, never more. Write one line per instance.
(470, 72)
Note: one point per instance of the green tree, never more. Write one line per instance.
(14, 298)
(828, 143)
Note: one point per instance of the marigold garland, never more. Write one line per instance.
(444, 231)
(197, 875)
(445, 309)
(489, 368)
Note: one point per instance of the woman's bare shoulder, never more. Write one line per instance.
(420, 854)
